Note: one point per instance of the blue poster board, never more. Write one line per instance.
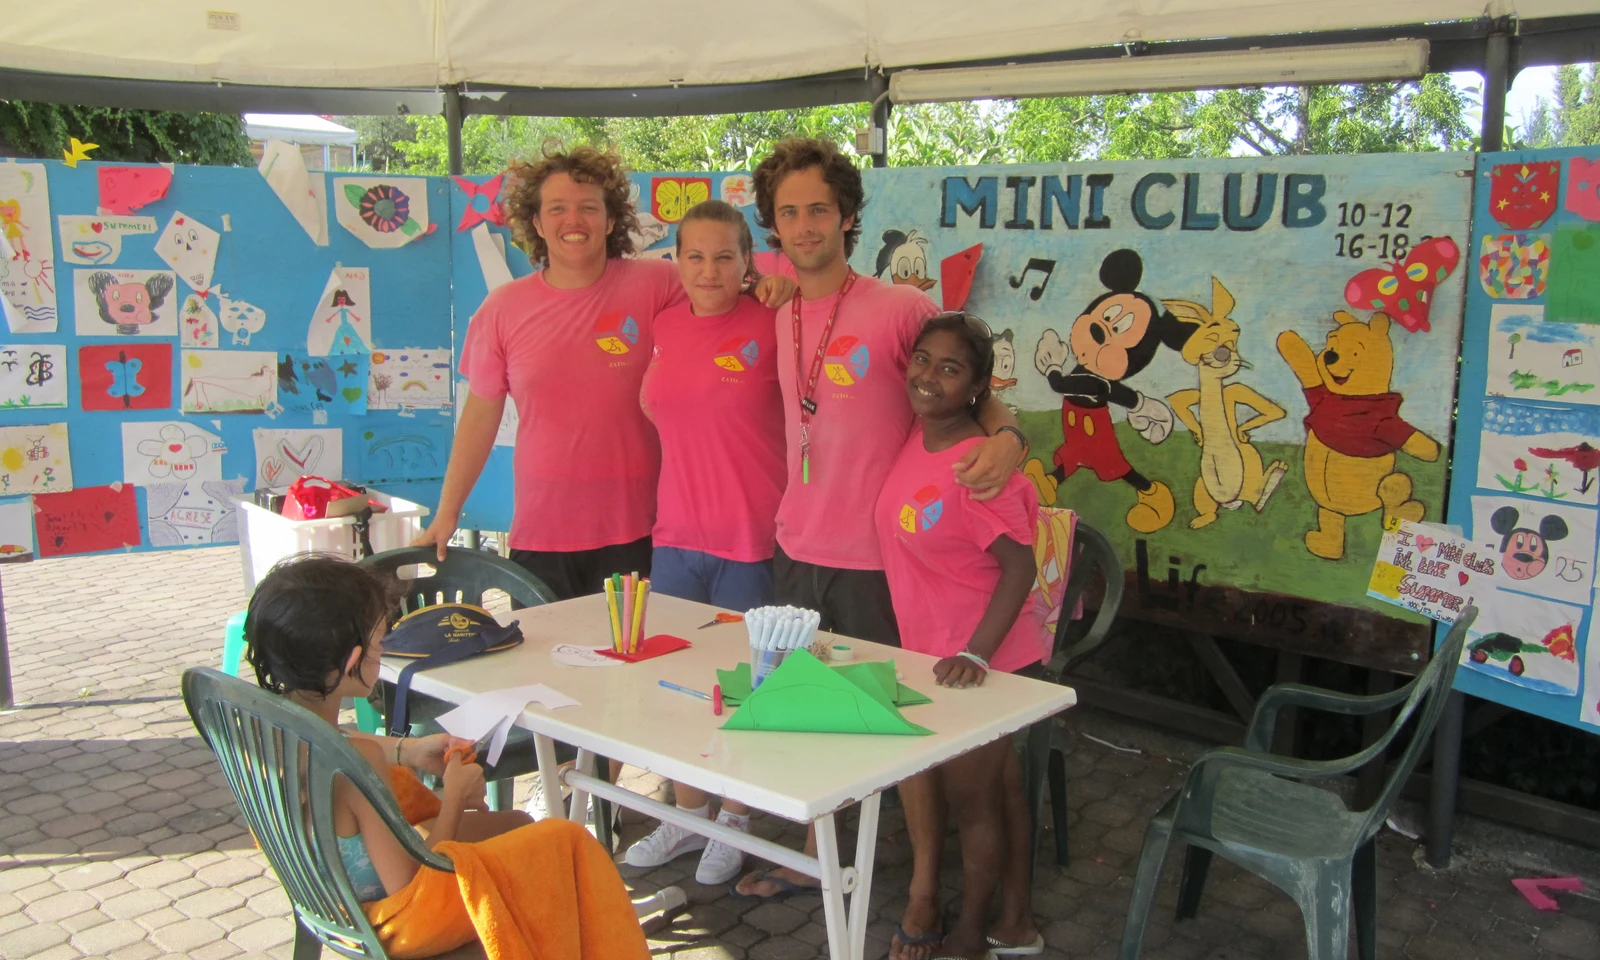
(1524, 483)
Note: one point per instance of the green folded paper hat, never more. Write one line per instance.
(735, 683)
(805, 696)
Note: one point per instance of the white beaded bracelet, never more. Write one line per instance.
(975, 659)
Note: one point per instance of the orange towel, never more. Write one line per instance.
(546, 891)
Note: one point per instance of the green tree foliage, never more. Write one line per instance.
(1572, 119)
(134, 136)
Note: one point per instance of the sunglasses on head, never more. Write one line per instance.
(973, 322)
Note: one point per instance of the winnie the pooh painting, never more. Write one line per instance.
(1354, 429)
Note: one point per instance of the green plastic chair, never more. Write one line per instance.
(1303, 839)
(1092, 554)
(274, 753)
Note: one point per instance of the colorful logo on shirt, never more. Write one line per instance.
(615, 333)
(737, 355)
(923, 511)
(846, 360)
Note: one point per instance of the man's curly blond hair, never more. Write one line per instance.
(585, 164)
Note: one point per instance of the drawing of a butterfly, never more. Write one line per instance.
(1403, 290)
(125, 378)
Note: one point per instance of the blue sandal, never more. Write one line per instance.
(786, 888)
(922, 940)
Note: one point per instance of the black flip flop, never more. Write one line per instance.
(921, 940)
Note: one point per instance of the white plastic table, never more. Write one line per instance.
(623, 713)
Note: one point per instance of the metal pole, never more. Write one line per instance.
(1496, 82)
(6, 700)
(452, 125)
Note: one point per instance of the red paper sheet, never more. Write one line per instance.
(655, 646)
(126, 189)
(87, 519)
(956, 273)
(125, 376)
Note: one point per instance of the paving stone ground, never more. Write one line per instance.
(119, 839)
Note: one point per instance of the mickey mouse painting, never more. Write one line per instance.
(1525, 552)
(1115, 338)
(129, 306)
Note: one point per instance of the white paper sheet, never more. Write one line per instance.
(1545, 548)
(341, 323)
(238, 317)
(1589, 705)
(411, 378)
(572, 655)
(1534, 359)
(506, 434)
(284, 456)
(198, 324)
(228, 381)
(491, 257)
(1430, 571)
(300, 192)
(27, 249)
(35, 459)
(738, 189)
(184, 514)
(168, 451)
(382, 212)
(97, 241)
(190, 248)
(1526, 641)
(498, 711)
(109, 303)
(32, 375)
(16, 531)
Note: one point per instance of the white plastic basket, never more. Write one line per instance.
(265, 537)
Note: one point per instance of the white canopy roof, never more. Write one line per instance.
(296, 128)
(624, 43)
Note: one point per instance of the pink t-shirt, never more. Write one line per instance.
(862, 416)
(712, 390)
(936, 553)
(586, 458)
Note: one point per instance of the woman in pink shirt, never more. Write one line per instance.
(959, 571)
(712, 392)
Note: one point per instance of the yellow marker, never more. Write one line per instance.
(638, 617)
(616, 620)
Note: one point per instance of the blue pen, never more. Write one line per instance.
(693, 693)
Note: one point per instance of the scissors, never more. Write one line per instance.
(468, 752)
(723, 618)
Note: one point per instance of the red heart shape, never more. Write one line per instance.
(179, 221)
(1423, 543)
(96, 227)
(175, 447)
(1462, 576)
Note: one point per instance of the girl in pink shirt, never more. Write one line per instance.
(959, 572)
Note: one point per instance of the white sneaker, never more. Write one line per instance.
(719, 864)
(667, 843)
(535, 805)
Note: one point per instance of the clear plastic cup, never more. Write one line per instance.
(763, 662)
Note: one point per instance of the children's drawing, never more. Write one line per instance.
(87, 520)
(168, 451)
(126, 302)
(1522, 196)
(1354, 429)
(27, 249)
(309, 384)
(1541, 451)
(382, 212)
(342, 321)
(34, 459)
(671, 197)
(126, 189)
(483, 202)
(33, 375)
(239, 318)
(97, 241)
(198, 326)
(647, 232)
(301, 193)
(410, 451)
(1231, 471)
(1530, 358)
(1114, 338)
(1429, 570)
(1531, 643)
(1403, 290)
(410, 379)
(1574, 289)
(1545, 548)
(1583, 187)
(505, 435)
(1514, 266)
(125, 376)
(228, 381)
(738, 189)
(190, 248)
(16, 531)
(186, 514)
(284, 456)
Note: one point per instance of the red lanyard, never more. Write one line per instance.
(808, 403)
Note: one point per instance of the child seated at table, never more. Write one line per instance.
(314, 635)
(959, 572)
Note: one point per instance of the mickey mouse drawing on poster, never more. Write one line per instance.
(1115, 338)
(129, 306)
(1524, 552)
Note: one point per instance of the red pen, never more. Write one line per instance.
(716, 700)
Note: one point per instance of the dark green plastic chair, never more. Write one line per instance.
(464, 577)
(1300, 837)
(274, 753)
(1092, 555)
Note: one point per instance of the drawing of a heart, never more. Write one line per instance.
(97, 227)
(1423, 543)
(351, 394)
(304, 456)
(1462, 576)
(175, 447)
(271, 469)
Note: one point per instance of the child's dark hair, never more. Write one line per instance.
(718, 211)
(973, 332)
(306, 616)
